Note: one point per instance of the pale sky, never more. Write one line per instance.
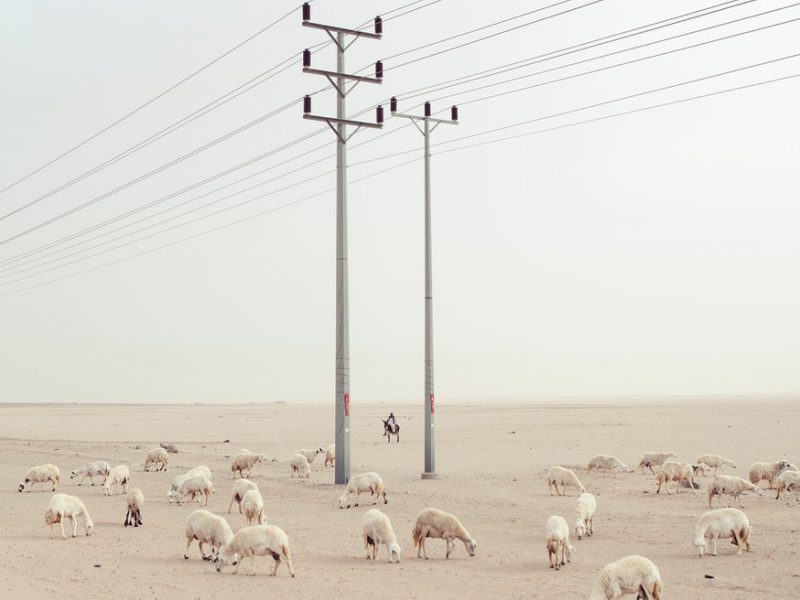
(651, 254)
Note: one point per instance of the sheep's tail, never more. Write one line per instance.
(657, 589)
(416, 535)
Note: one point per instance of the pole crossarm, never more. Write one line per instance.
(330, 74)
(330, 28)
(429, 119)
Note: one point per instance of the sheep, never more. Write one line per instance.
(732, 486)
(63, 507)
(169, 447)
(157, 456)
(585, 507)
(119, 477)
(378, 530)
(196, 485)
(41, 474)
(768, 472)
(630, 575)
(259, 540)
(366, 482)
(240, 488)
(206, 528)
(654, 458)
(434, 523)
(557, 542)
(299, 465)
(787, 481)
(178, 481)
(90, 470)
(722, 523)
(559, 476)
(678, 472)
(244, 461)
(330, 455)
(716, 461)
(135, 503)
(610, 463)
(311, 455)
(253, 505)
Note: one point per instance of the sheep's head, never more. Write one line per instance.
(757, 489)
(471, 547)
(700, 543)
(89, 526)
(342, 501)
(783, 465)
(222, 559)
(22, 486)
(700, 468)
(172, 496)
(319, 451)
(580, 528)
(262, 457)
(73, 474)
(394, 553)
(50, 517)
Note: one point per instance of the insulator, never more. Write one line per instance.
(306, 11)
(306, 57)
(307, 104)
(379, 70)
(378, 25)
(393, 104)
(427, 109)
(454, 113)
(379, 115)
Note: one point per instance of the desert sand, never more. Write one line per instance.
(491, 458)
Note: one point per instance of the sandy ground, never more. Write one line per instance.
(491, 457)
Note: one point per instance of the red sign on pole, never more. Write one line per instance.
(432, 404)
(347, 405)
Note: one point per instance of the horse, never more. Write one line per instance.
(388, 431)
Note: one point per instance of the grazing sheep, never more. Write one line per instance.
(311, 455)
(722, 523)
(677, 472)
(767, 471)
(630, 575)
(179, 480)
(366, 482)
(585, 507)
(330, 455)
(135, 504)
(196, 485)
(608, 463)
(378, 530)
(716, 461)
(253, 505)
(63, 507)
(654, 458)
(91, 470)
(171, 448)
(557, 544)
(732, 486)
(206, 528)
(300, 466)
(240, 488)
(434, 523)
(157, 456)
(244, 461)
(559, 476)
(787, 481)
(259, 540)
(119, 477)
(41, 474)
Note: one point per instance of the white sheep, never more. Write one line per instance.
(366, 482)
(716, 461)
(630, 575)
(378, 530)
(560, 476)
(244, 462)
(654, 458)
(240, 488)
(558, 544)
(119, 477)
(722, 523)
(135, 504)
(787, 481)
(206, 528)
(311, 455)
(63, 507)
(732, 486)
(253, 506)
(435, 523)
(41, 474)
(586, 506)
(299, 465)
(767, 472)
(157, 456)
(677, 472)
(259, 540)
(194, 486)
(178, 481)
(609, 463)
(91, 470)
(330, 455)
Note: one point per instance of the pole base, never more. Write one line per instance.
(430, 476)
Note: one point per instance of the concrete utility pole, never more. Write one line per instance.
(430, 407)
(337, 79)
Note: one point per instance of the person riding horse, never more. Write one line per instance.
(390, 426)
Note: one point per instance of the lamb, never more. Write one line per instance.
(157, 456)
(434, 523)
(610, 463)
(677, 472)
(41, 474)
(716, 461)
(253, 505)
(196, 485)
(787, 481)
(259, 540)
(630, 575)
(330, 455)
(732, 486)
(557, 543)
(654, 458)
(63, 507)
(206, 528)
(767, 471)
(559, 476)
(311, 455)
(300, 466)
(135, 503)
(378, 530)
(586, 507)
(119, 477)
(722, 523)
(240, 488)
(244, 461)
(90, 470)
(366, 482)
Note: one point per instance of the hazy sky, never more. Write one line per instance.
(654, 253)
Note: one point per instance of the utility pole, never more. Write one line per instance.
(338, 80)
(430, 407)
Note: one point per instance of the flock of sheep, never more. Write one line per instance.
(629, 575)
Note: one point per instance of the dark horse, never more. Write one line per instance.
(389, 430)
